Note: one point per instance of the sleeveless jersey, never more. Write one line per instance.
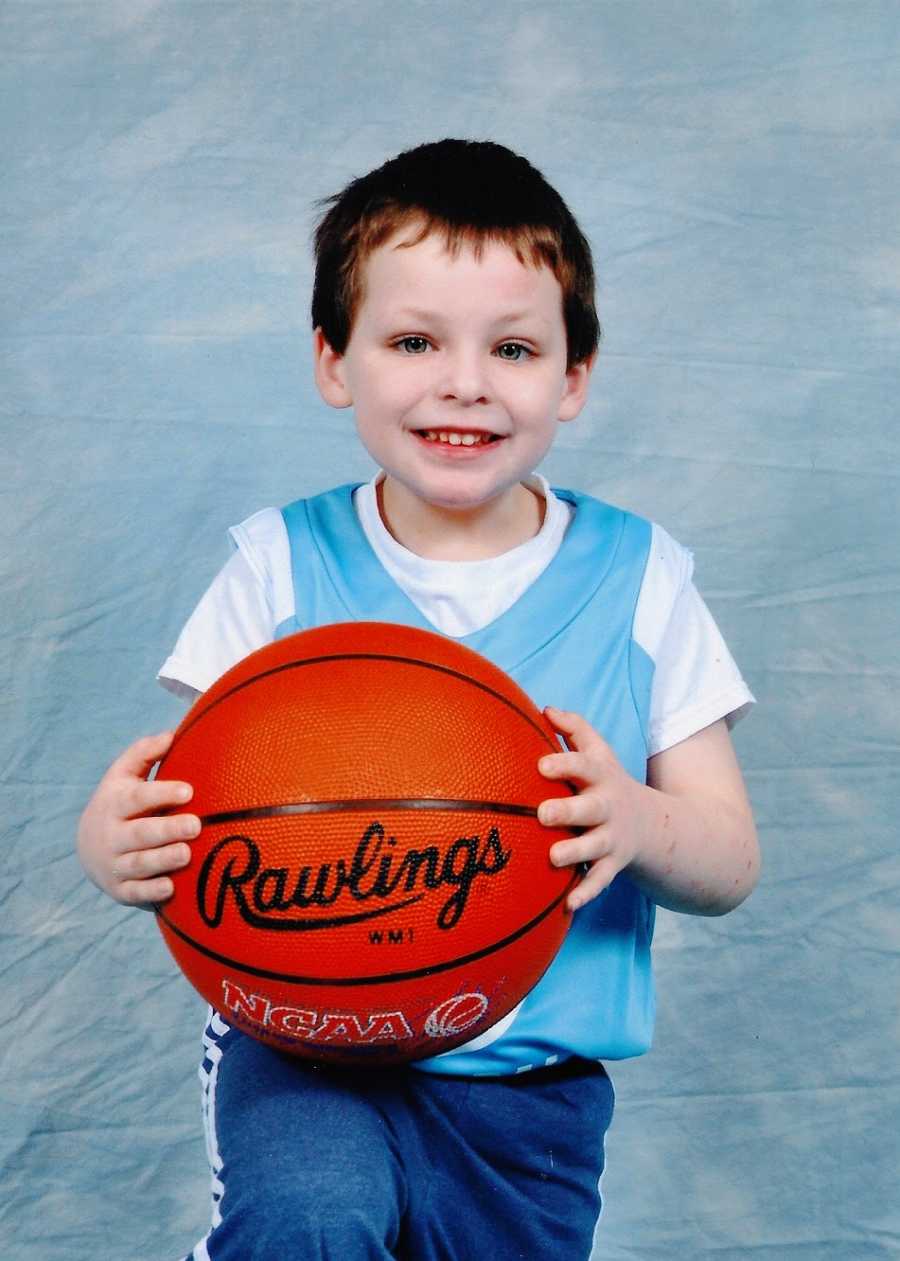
(567, 641)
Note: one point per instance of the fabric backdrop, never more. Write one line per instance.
(735, 165)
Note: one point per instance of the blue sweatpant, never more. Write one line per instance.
(311, 1163)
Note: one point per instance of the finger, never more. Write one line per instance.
(578, 731)
(586, 810)
(145, 864)
(599, 877)
(161, 830)
(145, 893)
(580, 768)
(589, 847)
(139, 757)
(135, 797)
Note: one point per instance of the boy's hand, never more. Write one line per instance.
(686, 836)
(124, 845)
(609, 806)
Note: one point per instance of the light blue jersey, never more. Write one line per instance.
(568, 642)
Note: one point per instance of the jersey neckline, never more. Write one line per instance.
(571, 579)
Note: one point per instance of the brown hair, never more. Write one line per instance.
(472, 191)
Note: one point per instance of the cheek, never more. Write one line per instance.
(538, 405)
(381, 413)
(386, 393)
(538, 393)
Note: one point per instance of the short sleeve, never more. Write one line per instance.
(696, 680)
(240, 610)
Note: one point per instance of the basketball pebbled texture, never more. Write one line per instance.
(371, 883)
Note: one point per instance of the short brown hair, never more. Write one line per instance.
(472, 191)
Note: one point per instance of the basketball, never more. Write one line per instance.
(371, 883)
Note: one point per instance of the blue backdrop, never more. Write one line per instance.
(735, 166)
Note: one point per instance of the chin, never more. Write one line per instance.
(461, 501)
(456, 490)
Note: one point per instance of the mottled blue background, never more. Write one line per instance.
(736, 168)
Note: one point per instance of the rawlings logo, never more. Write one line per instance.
(374, 874)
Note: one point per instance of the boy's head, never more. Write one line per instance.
(471, 192)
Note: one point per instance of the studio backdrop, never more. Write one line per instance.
(735, 166)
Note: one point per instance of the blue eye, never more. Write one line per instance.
(519, 352)
(413, 345)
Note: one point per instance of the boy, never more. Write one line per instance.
(453, 310)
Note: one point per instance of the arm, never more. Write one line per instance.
(125, 845)
(687, 837)
(128, 841)
(128, 838)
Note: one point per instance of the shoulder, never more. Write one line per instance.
(668, 566)
(601, 511)
(667, 586)
(669, 571)
(695, 679)
(240, 609)
(262, 541)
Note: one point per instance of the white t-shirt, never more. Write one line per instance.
(695, 681)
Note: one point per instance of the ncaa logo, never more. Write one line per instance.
(455, 1014)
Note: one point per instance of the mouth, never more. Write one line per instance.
(459, 437)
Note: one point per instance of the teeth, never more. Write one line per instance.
(455, 439)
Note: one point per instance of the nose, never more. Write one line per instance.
(465, 378)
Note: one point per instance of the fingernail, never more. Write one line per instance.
(192, 827)
(545, 814)
(185, 792)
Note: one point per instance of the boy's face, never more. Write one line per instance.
(456, 370)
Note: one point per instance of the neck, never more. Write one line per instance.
(436, 532)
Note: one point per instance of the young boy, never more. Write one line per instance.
(454, 312)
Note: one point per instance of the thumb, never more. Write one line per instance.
(139, 757)
(577, 731)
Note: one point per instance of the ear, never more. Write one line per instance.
(328, 366)
(575, 394)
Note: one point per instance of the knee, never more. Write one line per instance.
(302, 1160)
(320, 1211)
(291, 1229)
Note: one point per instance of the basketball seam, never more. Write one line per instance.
(364, 656)
(367, 805)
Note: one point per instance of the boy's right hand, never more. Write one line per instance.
(125, 845)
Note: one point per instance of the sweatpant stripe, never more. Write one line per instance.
(208, 1072)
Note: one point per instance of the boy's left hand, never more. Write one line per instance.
(686, 836)
(609, 806)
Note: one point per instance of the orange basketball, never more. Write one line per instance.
(371, 883)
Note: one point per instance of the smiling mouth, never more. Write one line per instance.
(458, 437)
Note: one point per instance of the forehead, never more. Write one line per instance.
(403, 269)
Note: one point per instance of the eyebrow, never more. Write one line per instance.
(425, 316)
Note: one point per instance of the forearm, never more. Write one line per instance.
(697, 856)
